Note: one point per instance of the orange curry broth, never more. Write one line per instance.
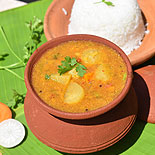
(97, 92)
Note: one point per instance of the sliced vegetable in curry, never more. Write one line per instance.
(79, 76)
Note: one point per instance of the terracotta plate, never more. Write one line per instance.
(144, 84)
(56, 24)
(82, 136)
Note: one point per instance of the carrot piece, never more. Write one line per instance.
(88, 76)
(5, 112)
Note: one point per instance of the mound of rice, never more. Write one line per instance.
(121, 23)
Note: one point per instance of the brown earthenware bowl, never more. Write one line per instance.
(56, 25)
(54, 42)
(82, 136)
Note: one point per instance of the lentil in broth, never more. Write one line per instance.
(103, 81)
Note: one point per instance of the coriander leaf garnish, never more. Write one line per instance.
(36, 31)
(18, 99)
(124, 76)
(47, 77)
(106, 2)
(109, 3)
(64, 69)
(68, 64)
(81, 70)
(68, 59)
(73, 62)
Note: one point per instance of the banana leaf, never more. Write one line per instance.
(139, 141)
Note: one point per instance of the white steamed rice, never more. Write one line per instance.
(121, 23)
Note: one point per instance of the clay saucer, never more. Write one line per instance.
(144, 84)
(56, 24)
(81, 136)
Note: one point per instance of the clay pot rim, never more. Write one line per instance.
(85, 115)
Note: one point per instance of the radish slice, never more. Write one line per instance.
(12, 132)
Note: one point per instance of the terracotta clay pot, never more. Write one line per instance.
(81, 136)
(54, 42)
(56, 25)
